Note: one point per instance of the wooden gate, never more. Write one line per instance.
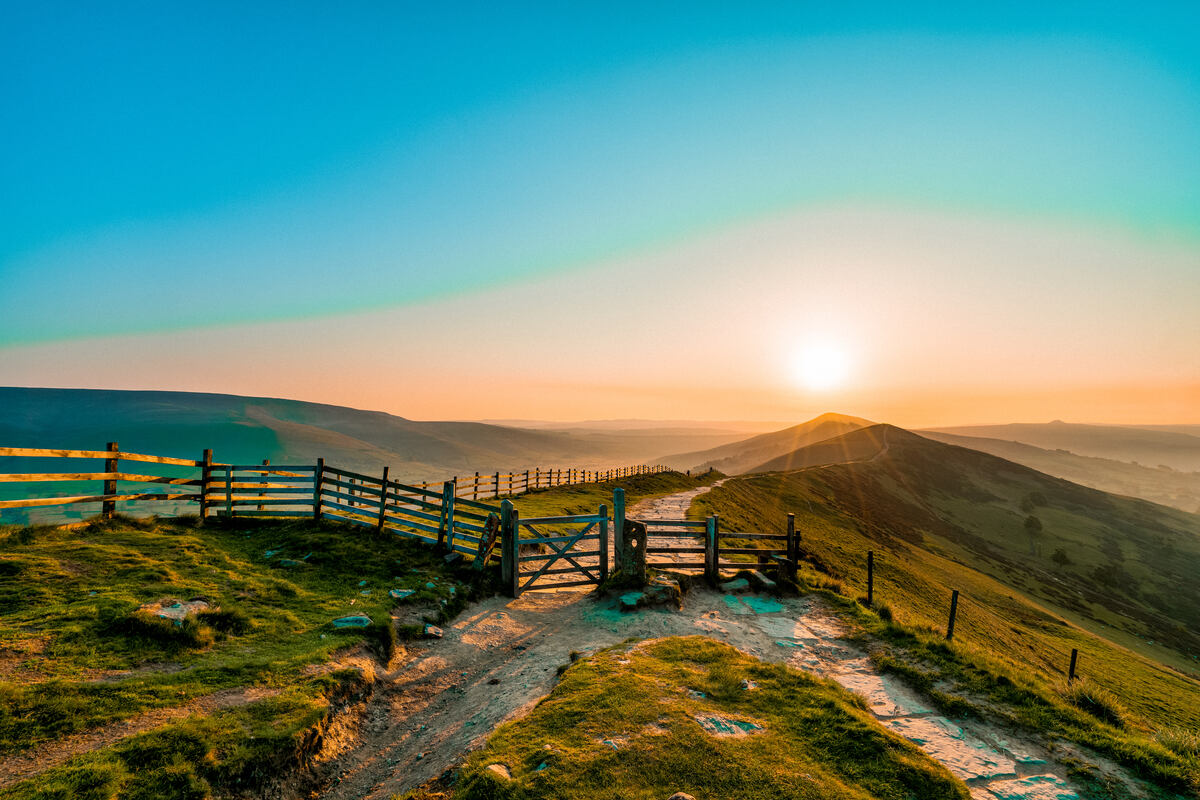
(676, 543)
(555, 552)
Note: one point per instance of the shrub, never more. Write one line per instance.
(1184, 741)
(1097, 701)
(884, 611)
(230, 620)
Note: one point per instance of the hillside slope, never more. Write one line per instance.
(744, 455)
(1161, 485)
(1116, 562)
(1154, 446)
(248, 429)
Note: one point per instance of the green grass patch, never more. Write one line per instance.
(624, 723)
(79, 653)
(1010, 651)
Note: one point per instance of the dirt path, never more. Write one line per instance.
(501, 657)
(15, 769)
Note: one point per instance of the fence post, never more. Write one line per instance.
(318, 489)
(475, 488)
(793, 552)
(109, 507)
(382, 500)
(526, 488)
(870, 577)
(448, 512)
(953, 614)
(603, 542)
(205, 476)
(710, 550)
(497, 487)
(265, 479)
(229, 491)
(1074, 658)
(618, 526)
(510, 548)
(716, 518)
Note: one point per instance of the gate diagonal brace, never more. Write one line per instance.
(560, 554)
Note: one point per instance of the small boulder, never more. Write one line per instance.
(734, 586)
(681, 796)
(630, 601)
(402, 594)
(352, 621)
(500, 771)
(433, 632)
(175, 610)
(763, 582)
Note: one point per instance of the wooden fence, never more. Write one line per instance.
(276, 490)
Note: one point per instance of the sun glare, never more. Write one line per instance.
(821, 366)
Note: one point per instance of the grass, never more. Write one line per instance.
(624, 722)
(77, 653)
(1010, 651)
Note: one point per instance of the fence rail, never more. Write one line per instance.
(266, 490)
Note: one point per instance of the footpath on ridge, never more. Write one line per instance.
(440, 699)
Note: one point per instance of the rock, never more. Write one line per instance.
(500, 771)
(174, 610)
(727, 727)
(453, 557)
(762, 581)
(289, 562)
(749, 685)
(630, 601)
(681, 796)
(736, 585)
(402, 594)
(433, 632)
(352, 621)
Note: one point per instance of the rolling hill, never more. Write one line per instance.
(1171, 446)
(249, 429)
(1114, 561)
(743, 456)
(1161, 485)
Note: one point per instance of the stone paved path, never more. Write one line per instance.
(498, 659)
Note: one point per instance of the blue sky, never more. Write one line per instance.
(169, 168)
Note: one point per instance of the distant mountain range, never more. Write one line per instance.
(1174, 446)
(1158, 484)
(249, 429)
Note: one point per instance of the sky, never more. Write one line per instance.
(907, 212)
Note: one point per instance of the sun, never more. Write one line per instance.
(822, 366)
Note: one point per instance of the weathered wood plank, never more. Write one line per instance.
(40, 477)
(97, 498)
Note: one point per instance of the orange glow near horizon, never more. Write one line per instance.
(678, 334)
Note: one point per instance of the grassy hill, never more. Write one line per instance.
(1121, 562)
(942, 518)
(742, 456)
(249, 429)
(1177, 447)
(1161, 485)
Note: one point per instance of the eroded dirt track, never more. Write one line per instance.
(501, 657)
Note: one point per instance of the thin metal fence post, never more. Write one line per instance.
(1074, 659)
